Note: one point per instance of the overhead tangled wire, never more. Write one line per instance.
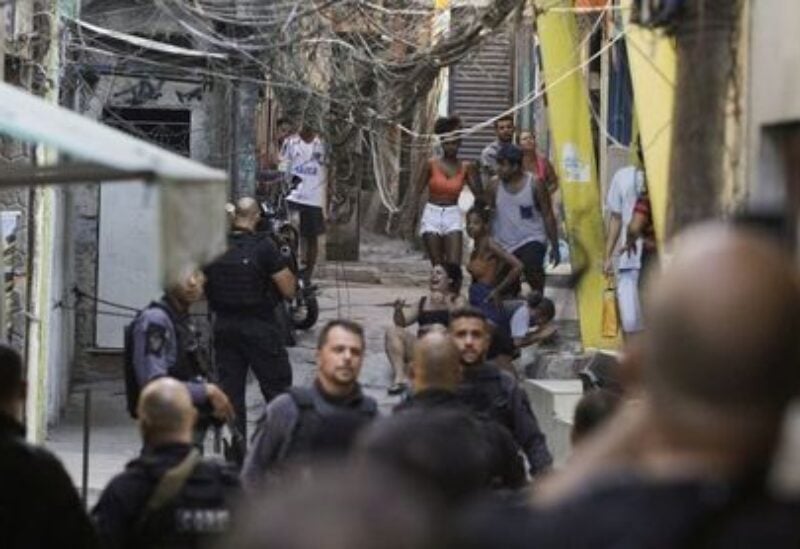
(375, 60)
(363, 72)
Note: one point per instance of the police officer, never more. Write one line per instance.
(165, 343)
(494, 393)
(244, 285)
(39, 506)
(435, 374)
(169, 496)
(317, 421)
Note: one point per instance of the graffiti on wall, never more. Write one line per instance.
(141, 92)
(12, 312)
(184, 97)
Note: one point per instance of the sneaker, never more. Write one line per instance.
(396, 388)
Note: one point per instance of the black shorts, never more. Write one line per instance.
(501, 344)
(532, 256)
(312, 223)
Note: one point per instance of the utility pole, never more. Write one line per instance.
(243, 103)
(706, 33)
(243, 137)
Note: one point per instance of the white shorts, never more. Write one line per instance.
(441, 220)
(630, 308)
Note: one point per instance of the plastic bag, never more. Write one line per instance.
(610, 314)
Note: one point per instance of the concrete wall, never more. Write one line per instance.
(774, 97)
(84, 225)
(553, 402)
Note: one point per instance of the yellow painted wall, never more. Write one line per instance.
(653, 64)
(569, 114)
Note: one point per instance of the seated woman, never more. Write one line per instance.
(434, 308)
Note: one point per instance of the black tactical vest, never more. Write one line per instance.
(489, 395)
(192, 360)
(324, 430)
(236, 282)
(199, 514)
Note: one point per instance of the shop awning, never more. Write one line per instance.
(192, 195)
(28, 118)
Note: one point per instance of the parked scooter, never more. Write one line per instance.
(301, 312)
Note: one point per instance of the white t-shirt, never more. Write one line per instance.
(621, 200)
(519, 324)
(307, 161)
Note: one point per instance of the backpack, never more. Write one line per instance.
(188, 505)
(236, 281)
(132, 388)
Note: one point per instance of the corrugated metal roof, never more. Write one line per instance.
(481, 88)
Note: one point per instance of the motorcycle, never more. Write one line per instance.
(302, 311)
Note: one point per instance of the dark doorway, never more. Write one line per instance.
(167, 128)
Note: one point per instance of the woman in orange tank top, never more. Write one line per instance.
(442, 224)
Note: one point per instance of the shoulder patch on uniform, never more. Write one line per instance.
(156, 339)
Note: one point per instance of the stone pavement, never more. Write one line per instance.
(114, 439)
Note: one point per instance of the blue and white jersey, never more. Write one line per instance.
(308, 162)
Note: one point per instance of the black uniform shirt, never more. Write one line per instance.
(120, 508)
(270, 261)
(39, 506)
(503, 459)
(628, 512)
(490, 392)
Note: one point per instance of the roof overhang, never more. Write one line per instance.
(26, 117)
(192, 195)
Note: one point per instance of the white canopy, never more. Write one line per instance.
(192, 197)
(25, 117)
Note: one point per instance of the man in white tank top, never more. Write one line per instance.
(523, 220)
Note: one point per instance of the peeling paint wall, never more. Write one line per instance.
(150, 89)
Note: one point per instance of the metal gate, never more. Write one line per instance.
(481, 87)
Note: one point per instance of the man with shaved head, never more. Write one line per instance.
(244, 286)
(169, 496)
(435, 372)
(433, 426)
(687, 465)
